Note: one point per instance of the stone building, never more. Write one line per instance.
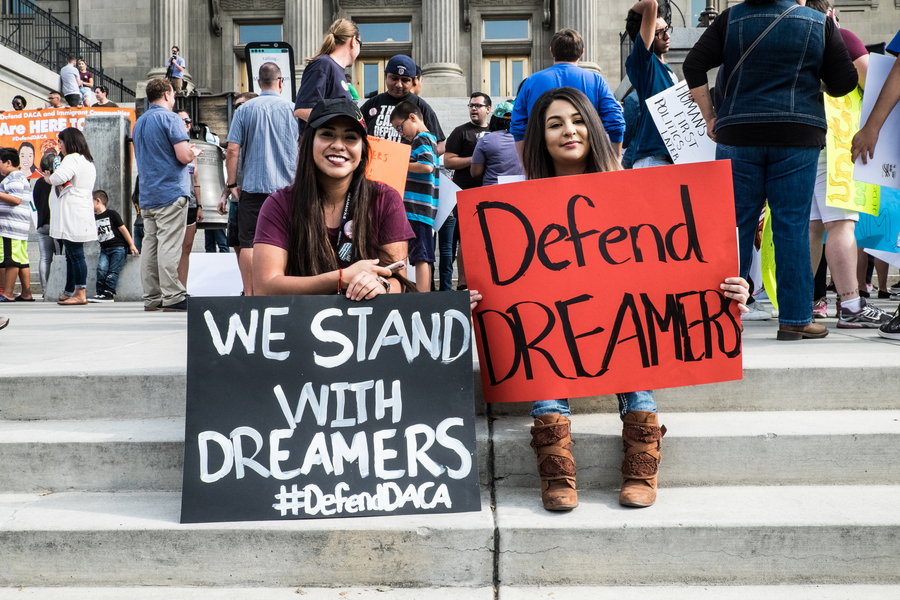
(461, 45)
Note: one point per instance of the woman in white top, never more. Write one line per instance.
(72, 210)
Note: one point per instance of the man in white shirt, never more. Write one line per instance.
(70, 80)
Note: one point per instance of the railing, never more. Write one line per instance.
(39, 36)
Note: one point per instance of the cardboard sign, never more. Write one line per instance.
(388, 163)
(841, 190)
(318, 406)
(603, 283)
(447, 195)
(884, 167)
(881, 232)
(34, 132)
(681, 125)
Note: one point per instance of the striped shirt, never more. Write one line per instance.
(15, 221)
(266, 130)
(421, 195)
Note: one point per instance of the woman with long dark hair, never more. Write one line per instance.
(72, 210)
(333, 230)
(565, 137)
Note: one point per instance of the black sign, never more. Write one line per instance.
(318, 406)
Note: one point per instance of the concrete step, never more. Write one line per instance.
(135, 539)
(735, 448)
(117, 362)
(256, 593)
(718, 592)
(704, 536)
(98, 456)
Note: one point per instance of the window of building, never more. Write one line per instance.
(369, 76)
(502, 75)
(269, 32)
(507, 30)
(384, 32)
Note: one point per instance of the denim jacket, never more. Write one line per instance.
(779, 80)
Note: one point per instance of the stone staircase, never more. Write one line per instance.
(783, 485)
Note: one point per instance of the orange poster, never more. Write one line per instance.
(388, 163)
(603, 283)
(33, 132)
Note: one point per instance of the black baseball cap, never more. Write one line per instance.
(330, 108)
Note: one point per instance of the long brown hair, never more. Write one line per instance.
(310, 250)
(536, 159)
(340, 32)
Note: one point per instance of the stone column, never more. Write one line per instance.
(440, 51)
(169, 27)
(579, 15)
(303, 31)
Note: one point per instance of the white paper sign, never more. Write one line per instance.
(681, 125)
(891, 258)
(884, 166)
(501, 179)
(446, 200)
(214, 274)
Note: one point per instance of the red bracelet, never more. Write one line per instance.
(340, 280)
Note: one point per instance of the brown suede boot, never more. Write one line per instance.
(642, 438)
(551, 439)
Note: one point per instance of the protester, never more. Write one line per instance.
(19, 102)
(163, 152)
(15, 223)
(102, 94)
(175, 68)
(71, 210)
(565, 137)
(86, 79)
(495, 154)
(399, 76)
(771, 126)
(305, 244)
(420, 196)
(567, 47)
(863, 145)
(458, 157)
(194, 212)
(228, 202)
(54, 99)
(70, 78)
(839, 223)
(324, 75)
(650, 75)
(262, 144)
(41, 197)
(115, 241)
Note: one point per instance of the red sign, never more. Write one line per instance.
(603, 283)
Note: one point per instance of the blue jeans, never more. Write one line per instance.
(76, 267)
(138, 237)
(215, 238)
(628, 402)
(786, 177)
(109, 266)
(447, 246)
(657, 160)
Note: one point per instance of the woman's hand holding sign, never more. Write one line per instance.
(738, 290)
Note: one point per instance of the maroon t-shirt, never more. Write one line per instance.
(855, 47)
(390, 223)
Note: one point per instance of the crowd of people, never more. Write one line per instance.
(304, 219)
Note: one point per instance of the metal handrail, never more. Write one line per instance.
(39, 36)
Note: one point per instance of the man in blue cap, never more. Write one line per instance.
(399, 77)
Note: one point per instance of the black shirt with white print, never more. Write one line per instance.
(108, 234)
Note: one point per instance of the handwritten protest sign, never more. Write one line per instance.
(318, 406)
(884, 167)
(34, 132)
(841, 190)
(881, 232)
(447, 190)
(388, 163)
(603, 283)
(681, 125)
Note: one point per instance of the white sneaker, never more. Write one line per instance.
(757, 313)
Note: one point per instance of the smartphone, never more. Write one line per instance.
(396, 266)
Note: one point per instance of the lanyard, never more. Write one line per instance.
(344, 244)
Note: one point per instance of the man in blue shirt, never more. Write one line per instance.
(163, 154)
(175, 70)
(566, 47)
(649, 74)
(262, 145)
